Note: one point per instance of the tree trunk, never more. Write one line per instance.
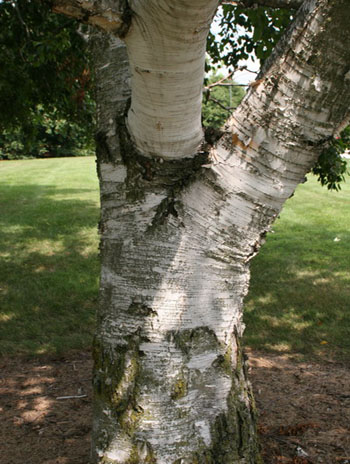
(169, 375)
(179, 226)
(170, 383)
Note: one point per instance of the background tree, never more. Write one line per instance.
(45, 82)
(221, 96)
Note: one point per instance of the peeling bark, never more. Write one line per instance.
(170, 385)
(169, 324)
(112, 16)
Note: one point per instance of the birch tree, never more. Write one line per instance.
(181, 220)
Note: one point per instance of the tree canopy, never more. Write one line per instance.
(44, 61)
(244, 31)
(46, 71)
(45, 78)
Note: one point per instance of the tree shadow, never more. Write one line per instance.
(48, 268)
(49, 430)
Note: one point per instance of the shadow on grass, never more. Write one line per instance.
(48, 268)
(299, 298)
(298, 301)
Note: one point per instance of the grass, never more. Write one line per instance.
(48, 254)
(299, 300)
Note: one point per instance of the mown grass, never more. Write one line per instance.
(299, 300)
(300, 294)
(48, 254)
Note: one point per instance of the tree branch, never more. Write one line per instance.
(226, 108)
(19, 14)
(108, 15)
(220, 81)
(294, 4)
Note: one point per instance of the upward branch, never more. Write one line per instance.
(293, 109)
(166, 46)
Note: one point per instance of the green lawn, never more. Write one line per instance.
(48, 254)
(299, 300)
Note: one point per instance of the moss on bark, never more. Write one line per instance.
(116, 388)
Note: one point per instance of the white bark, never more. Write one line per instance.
(167, 53)
(172, 294)
(166, 354)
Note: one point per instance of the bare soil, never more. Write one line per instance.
(304, 410)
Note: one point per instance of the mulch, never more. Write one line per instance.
(304, 409)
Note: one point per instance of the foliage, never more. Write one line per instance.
(50, 136)
(213, 114)
(44, 76)
(245, 32)
(331, 168)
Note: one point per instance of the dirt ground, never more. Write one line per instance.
(304, 410)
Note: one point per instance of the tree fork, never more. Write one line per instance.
(123, 354)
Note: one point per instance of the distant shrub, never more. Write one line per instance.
(330, 167)
(48, 136)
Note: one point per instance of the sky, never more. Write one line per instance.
(241, 77)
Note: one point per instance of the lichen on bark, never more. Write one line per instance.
(233, 433)
(115, 380)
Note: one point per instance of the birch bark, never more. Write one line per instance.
(180, 224)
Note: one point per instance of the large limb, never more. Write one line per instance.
(290, 114)
(166, 45)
